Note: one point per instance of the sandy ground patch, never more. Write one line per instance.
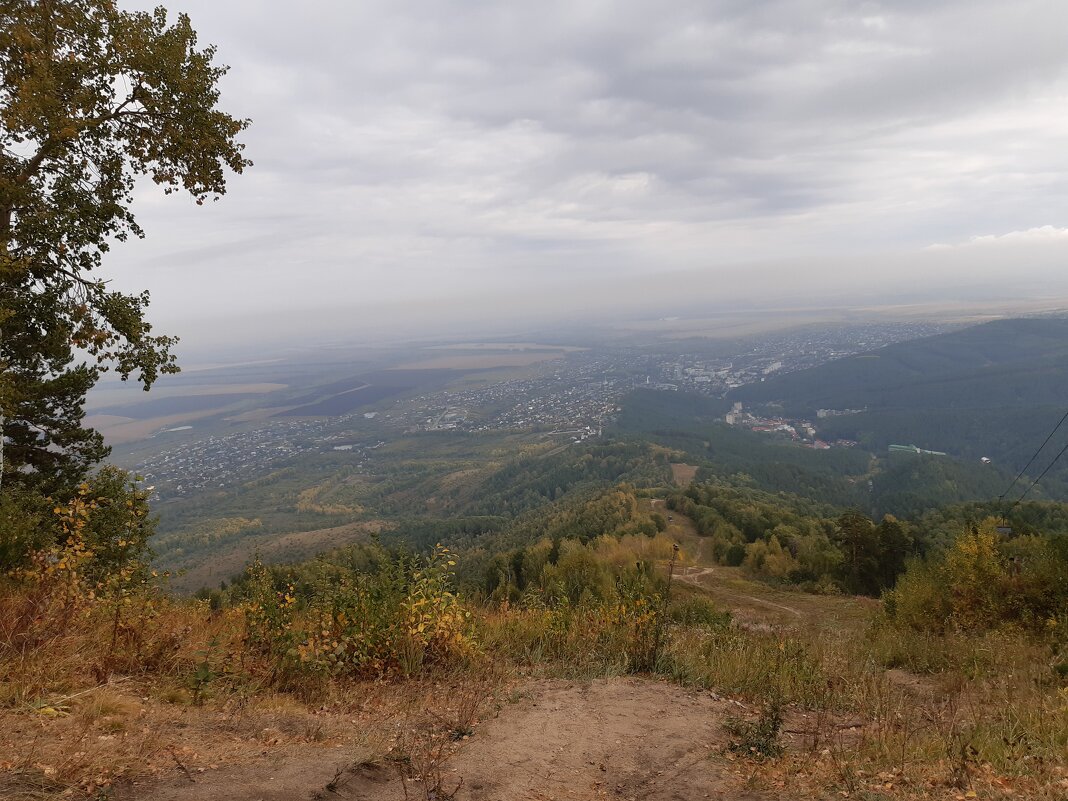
(506, 346)
(122, 433)
(683, 474)
(623, 738)
(131, 394)
(106, 421)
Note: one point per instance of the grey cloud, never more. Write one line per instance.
(413, 150)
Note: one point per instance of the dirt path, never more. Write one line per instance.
(615, 738)
(693, 575)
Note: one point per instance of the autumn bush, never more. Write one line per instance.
(395, 618)
(985, 581)
(87, 574)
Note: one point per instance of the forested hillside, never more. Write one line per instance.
(993, 390)
(693, 425)
(1017, 363)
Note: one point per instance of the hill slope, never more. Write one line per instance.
(1006, 363)
(993, 390)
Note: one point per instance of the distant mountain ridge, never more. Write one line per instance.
(992, 390)
(1001, 364)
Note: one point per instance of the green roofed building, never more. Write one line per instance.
(913, 449)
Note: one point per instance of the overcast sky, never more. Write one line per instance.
(529, 152)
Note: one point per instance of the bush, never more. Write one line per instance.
(982, 583)
(395, 617)
(697, 610)
(758, 739)
(25, 528)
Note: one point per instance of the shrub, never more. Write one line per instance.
(758, 739)
(697, 610)
(985, 582)
(397, 616)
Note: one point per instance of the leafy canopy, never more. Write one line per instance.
(91, 98)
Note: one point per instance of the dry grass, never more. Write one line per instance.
(878, 711)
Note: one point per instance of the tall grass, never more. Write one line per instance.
(950, 709)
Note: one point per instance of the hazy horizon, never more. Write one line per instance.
(479, 165)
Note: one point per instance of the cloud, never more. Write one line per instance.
(1042, 235)
(408, 151)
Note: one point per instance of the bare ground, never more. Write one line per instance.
(683, 474)
(609, 739)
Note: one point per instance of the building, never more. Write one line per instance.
(914, 450)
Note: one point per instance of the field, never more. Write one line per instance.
(109, 397)
(478, 361)
(346, 401)
(506, 346)
(123, 431)
(683, 474)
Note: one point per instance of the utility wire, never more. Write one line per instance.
(1019, 475)
(1048, 468)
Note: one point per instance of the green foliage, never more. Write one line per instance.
(669, 414)
(91, 97)
(997, 364)
(941, 525)
(989, 390)
(788, 539)
(84, 567)
(113, 524)
(576, 577)
(619, 633)
(119, 522)
(909, 485)
(873, 555)
(569, 549)
(381, 613)
(613, 512)
(24, 527)
(759, 739)
(534, 480)
(986, 581)
(697, 611)
(497, 507)
(693, 425)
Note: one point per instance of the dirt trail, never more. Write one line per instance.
(608, 739)
(693, 575)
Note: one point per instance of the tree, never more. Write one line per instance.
(896, 545)
(858, 540)
(91, 98)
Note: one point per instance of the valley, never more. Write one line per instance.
(303, 454)
(404, 592)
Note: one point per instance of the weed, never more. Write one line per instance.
(420, 758)
(468, 694)
(759, 739)
(203, 674)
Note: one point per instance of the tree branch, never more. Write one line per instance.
(35, 161)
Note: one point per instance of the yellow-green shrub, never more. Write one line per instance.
(396, 617)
